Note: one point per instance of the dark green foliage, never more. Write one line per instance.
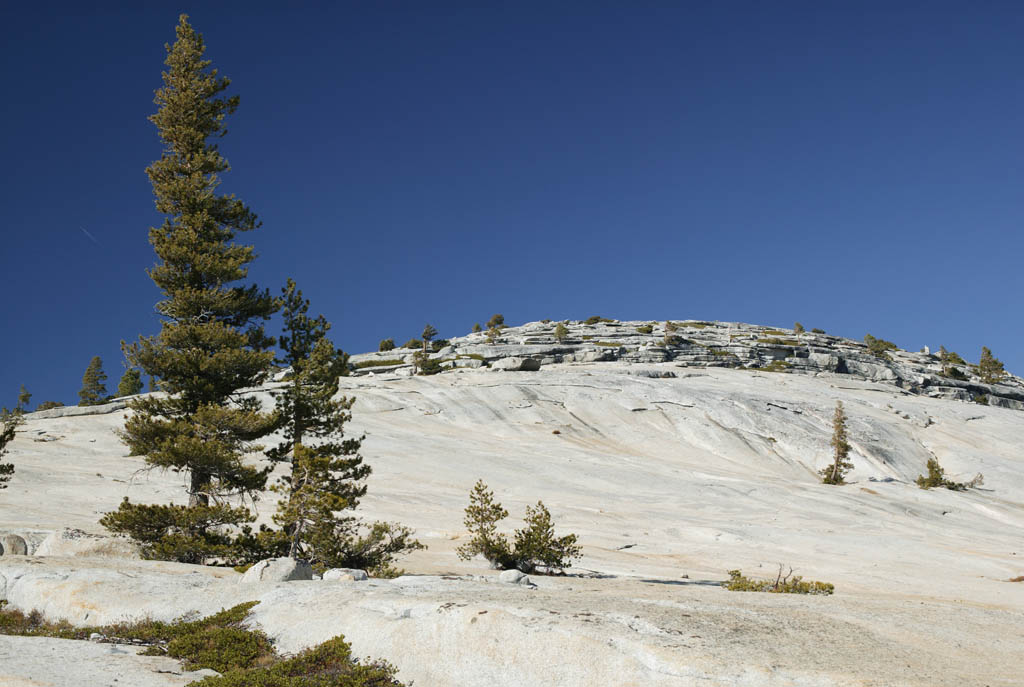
(413, 343)
(374, 547)
(187, 534)
(47, 405)
(782, 584)
(477, 328)
(130, 384)
(379, 363)
(428, 334)
(990, 368)
(211, 343)
(94, 390)
(561, 332)
(817, 331)
(798, 328)
(424, 364)
(436, 346)
(836, 472)
(645, 329)
(386, 345)
(981, 399)
(950, 360)
(594, 319)
(534, 545)
(937, 478)
(496, 321)
(221, 642)
(879, 347)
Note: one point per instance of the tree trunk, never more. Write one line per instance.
(196, 492)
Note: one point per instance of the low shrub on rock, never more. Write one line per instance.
(937, 478)
(782, 584)
(531, 547)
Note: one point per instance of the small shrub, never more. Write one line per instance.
(592, 320)
(413, 343)
(981, 399)
(773, 332)
(424, 364)
(879, 347)
(47, 405)
(561, 332)
(644, 329)
(497, 321)
(477, 328)
(990, 368)
(534, 545)
(545, 321)
(436, 346)
(776, 366)
(379, 363)
(386, 345)
(937, 478)
(697, 325)
(782, 584)
(817, 331)
(798, 328)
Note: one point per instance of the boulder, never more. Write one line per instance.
(72, 542)
(516, 363)
(345, 575)
(278, 570)
(13, 545)
(514, 577)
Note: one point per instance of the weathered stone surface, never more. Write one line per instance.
(514, 577)
(75, 542)
(515, 363)
(278, 570)
(345, 575)
(13, 545)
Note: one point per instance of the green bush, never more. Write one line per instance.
(981, 399)
(534, 545)
(645, 329)
(436, 346)
(47, 405)
(937, 478)
(776, 366)
(379, 363)
(817, 331)
(413, 343)
(386, 345)
(798, 328)
(782, 584)
(879, 347)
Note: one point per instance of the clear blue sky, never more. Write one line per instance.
(856, 166)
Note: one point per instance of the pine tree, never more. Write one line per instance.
(94, 389)
(990, 368)
(836, 472)
(497, 321)
(561, 332)
(211, 344)
(798, 328)
(327, 476)
(428, 333)
(950, 360)
(9, 421)
(476, 328)
(386, 345)
(130, 384)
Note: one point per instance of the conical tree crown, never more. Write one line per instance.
(94, 389)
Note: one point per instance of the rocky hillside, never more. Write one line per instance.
(693, 344)
(673, 464)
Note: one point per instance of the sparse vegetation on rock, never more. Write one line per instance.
(428, 333)
(782, 584)
(798, 328)
(879, 347)
(532, 546)
(386, 345)
(990, 368)
(561, 332)
(950, 361)
(937, 478)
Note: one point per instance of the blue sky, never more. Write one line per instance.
(853, 166)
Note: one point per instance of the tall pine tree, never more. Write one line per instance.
(212, 344)
(94, 389)
(130, 384)
(841, 464)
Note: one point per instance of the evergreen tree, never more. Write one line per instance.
(327, 476)
(94, 389)
(496, 322)
(130, 384)
(24, 398)
(476, 328)
(9, 421)
(798, 328)
(386, 345)
(990, 368)
(836, 472)
(47, 405)
(211, 344)
(561, 332)
(428, 333)
(950, 360)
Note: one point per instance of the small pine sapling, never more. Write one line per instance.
(94, 390)
(561, 332)
(386, 345)
(836, 472)
(937, 478)
(990, 368)
(798, 328)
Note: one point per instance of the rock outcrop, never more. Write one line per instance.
(693, 344)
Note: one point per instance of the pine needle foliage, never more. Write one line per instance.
(428, 334)
(94, 389)
(532, 546)
(561, 332)
(130, 384)
(950, 361)
(990, 368)
(841, 464)
(211, 344)
(937, 478)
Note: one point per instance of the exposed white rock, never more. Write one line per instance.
(278, 570)
(13, 545)
(345, 575)
(75, 542)
(514, 577)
